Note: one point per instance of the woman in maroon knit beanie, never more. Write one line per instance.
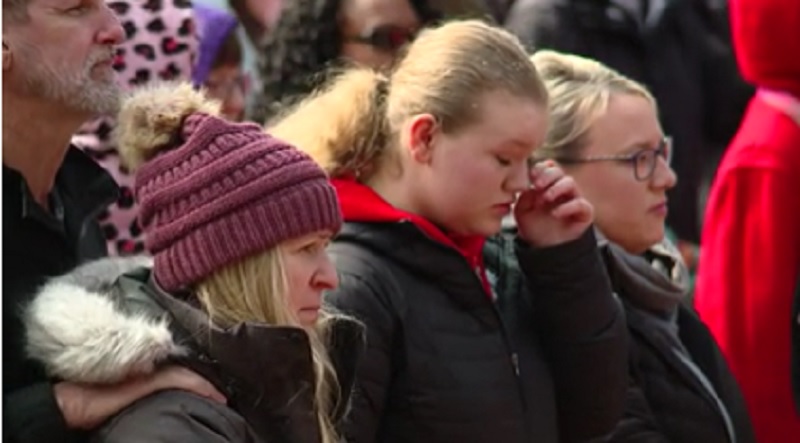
(237, 223)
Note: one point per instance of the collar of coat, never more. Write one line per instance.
(107, 321)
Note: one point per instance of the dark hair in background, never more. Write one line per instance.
(295, 55)
(230, 51)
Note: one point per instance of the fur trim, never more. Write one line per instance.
(78, 330)
(152, 116)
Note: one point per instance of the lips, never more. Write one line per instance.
(660, 208)
(505, 208)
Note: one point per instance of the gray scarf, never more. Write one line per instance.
(655, 281)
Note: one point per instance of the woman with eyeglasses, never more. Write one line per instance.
(314, 35)
(604, 131)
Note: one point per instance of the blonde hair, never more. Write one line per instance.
(255, 290)
(351, 125)
(579, 90)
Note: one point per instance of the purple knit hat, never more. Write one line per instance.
(214, 26)
(212, 192)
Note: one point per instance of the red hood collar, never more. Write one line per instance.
(361, 204)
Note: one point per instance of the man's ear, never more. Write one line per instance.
(6, 56)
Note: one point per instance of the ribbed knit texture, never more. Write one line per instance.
(229, 191)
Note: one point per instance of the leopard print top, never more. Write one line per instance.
(161, 44)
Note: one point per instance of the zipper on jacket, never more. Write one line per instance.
(513, 355)
(515, 362)
(513, 358)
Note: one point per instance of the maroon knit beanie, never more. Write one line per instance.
(212, 192)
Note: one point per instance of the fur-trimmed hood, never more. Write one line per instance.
(108, 320)
(81, 329)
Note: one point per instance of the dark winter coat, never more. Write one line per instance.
(681, 50)
(109, 320)
(444, 363)
(37, 245)
(668, 401)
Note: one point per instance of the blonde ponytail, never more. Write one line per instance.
(343, 126)
(351, 126)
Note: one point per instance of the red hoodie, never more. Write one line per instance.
(361, 204)
(750, 255)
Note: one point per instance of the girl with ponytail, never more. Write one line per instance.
(427, 160)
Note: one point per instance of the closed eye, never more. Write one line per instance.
(502, 160)
(77, 10)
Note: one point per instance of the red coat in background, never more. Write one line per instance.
(751, 239)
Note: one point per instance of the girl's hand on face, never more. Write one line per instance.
(552, 211)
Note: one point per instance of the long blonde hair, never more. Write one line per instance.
(255, 290)
(580, 90)
(351, 125)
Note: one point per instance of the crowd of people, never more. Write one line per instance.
(401, 221)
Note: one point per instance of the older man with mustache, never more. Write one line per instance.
(57, 73)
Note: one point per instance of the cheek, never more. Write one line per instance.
(473, 180)
(622, 211)
(298, 276)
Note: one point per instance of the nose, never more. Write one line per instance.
(326, 277)
(664, 177)
(234, 105)
(519, 178)
(111, 32)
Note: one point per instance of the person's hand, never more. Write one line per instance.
(552, 211)
(87, 406)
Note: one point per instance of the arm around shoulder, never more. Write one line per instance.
(170, 416)
(32, 415)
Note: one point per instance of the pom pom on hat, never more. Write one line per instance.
(151, 119)
(212, 192)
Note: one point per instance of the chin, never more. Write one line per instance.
(652, 239)
(486, 227)
(308, 319)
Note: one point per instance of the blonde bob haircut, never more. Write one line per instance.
(351, 126)
(579, 90)
(255, 289)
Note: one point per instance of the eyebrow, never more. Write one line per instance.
(326, 236)
(638, 146)
(515, 145)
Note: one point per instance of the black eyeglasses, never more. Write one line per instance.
(387, 38)
(643, 161)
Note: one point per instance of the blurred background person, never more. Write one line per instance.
(751, 240)
(256, 18)
(218, 66)
(315, 35)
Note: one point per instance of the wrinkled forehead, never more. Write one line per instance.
(161, 40)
